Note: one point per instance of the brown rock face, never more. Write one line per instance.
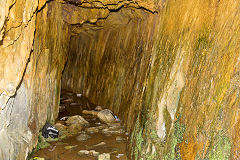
(168, 69)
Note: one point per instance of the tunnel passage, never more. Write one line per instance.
(106, 56)
(108, 60)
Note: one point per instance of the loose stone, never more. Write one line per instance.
(83, 152)
(93, 153)
(92, 130)
(104, 156)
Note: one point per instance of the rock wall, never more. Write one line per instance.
(190, 106)
(40, 53)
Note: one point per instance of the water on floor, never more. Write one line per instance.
(113, 142)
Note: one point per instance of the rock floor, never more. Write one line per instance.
(93, 140)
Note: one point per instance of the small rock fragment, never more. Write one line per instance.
(83, 152)
(92, 130)
(83, 137)
(104, 156)
(93, 153)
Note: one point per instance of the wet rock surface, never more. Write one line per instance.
(84, 137)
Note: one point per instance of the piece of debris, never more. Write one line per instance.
(49, 130)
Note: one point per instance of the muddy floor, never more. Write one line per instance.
(68, 148)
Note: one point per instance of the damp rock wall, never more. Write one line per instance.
(37, 56)
(190, 108)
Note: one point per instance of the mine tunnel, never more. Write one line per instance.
(165, 72)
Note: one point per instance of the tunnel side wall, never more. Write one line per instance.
(38, 93)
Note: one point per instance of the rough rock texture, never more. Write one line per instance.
(168, 69)
(190, 106)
